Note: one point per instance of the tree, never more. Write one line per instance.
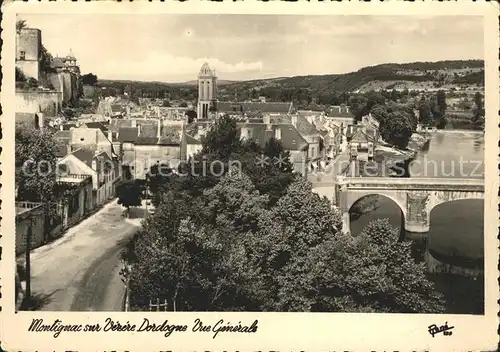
(222, 139)
(89, 79)
(32, 82)
(300, 221)
(46, 61)
(129, 195)
(379, 112)
(166, 104)
(438, 108)
(477, 119)
(424, 112)
(156, 180)
(20, 77)
(200, 260)
(183, 104)
(274, 177)
(191, 114)
(397, 129)
(20, 25)
(387, 278)
(35, 158)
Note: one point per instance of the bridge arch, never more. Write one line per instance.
(447, 197)
(353, 198)
(362, 195)
(456, 235)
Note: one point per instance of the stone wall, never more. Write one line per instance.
(434, 266)
(29, 68)
(22, 225)
(48, 102)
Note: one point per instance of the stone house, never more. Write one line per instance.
(148, 142)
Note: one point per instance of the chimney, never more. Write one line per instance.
(267, 121)
(347, 109)
(277, 133)
(138, 130)
(134, 123)
(110, 136)
(40, 120)
(294, 121)
(94, 160)
(244, 132)
(61, 127)
(68, 148)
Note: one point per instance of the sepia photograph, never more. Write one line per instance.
(250, 163)
(190, 174)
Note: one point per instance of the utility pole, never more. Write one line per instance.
(127, 289)
(28, 259)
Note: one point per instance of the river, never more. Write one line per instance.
(456, 232)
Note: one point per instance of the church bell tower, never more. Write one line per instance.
(207, 92)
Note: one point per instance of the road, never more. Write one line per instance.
(80, 271)
(324, 182)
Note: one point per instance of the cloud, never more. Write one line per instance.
(168, 67)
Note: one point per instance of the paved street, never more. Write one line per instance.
(79, 272)
(324, 182)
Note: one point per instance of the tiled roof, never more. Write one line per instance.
(169, 135)
(117, 108)
(85, 155)
(290, 137)
(191, 140)
(147, 135)
(103, 127)
(303, 126)
(360, 136)
(127, 134)
(62, 135)
(68, 126)
(310, 113)
(61, 150)
(271, 107)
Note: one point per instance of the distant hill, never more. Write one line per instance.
(220, 82)
(449, 74)
(385, 76)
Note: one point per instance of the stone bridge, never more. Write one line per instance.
(416, 197)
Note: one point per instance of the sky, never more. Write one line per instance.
(172, 48)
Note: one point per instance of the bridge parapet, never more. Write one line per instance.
(428, 184)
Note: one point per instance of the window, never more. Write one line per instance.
(22, 55)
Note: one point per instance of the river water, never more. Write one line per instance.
(456, 228)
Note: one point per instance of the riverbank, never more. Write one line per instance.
(387, 161)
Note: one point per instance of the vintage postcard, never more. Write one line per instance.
(249, 176)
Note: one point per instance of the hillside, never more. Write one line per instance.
(457, 74)
(417, 75)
